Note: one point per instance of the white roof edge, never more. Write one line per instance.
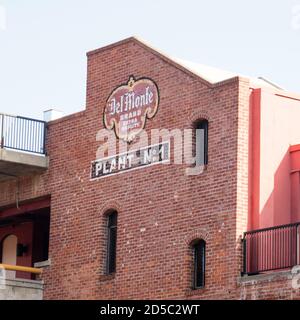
(215, 75)
(271, 83)
(210, 74)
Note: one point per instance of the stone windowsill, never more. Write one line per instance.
(43, 264)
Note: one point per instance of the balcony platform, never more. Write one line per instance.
(20, 289)
(15, 164)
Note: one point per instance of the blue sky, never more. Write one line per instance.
(43, 43)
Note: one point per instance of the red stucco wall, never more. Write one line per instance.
(275, 117)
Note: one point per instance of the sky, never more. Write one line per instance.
(43, 44)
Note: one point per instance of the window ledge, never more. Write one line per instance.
(195, 292)
(43, 264)
(107, 277)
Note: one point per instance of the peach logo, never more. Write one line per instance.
(129, 106)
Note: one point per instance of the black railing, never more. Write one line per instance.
(271, 249)
(23, 134)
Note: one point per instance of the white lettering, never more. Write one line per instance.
(117, 310)
(98, 168)
(130, 158)
(113, 106)
(130, 100)
(122, 163)
(113, 165)
(147, 156)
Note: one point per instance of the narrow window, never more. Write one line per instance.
(199, 264)
(111, 242)
(201, 142)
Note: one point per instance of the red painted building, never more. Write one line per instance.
(153, 218)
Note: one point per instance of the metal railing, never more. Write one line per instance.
(23, 134)
(271, 249)
(10, 267)
(8, 272)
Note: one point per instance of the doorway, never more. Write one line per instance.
(9, 253)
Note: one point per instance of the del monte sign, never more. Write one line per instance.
(129, 106)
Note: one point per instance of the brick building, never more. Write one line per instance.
(100, 230)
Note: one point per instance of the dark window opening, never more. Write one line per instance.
(199, 248)
(41, 236)
(201, 142)
(111, 242)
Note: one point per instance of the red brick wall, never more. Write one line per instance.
(277, 285)
(160, 209)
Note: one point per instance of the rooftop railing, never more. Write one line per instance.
(22, 134)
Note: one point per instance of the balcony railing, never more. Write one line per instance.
(22, 134)
(31, 270)
(271, 249)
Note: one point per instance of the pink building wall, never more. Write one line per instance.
(295, 182)
(275, 190)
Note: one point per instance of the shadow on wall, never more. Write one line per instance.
(277, 210)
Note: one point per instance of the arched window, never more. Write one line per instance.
(111, 241)
(201, 142)
(9, 253)
(199, 247)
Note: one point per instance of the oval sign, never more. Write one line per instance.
(129, 106)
